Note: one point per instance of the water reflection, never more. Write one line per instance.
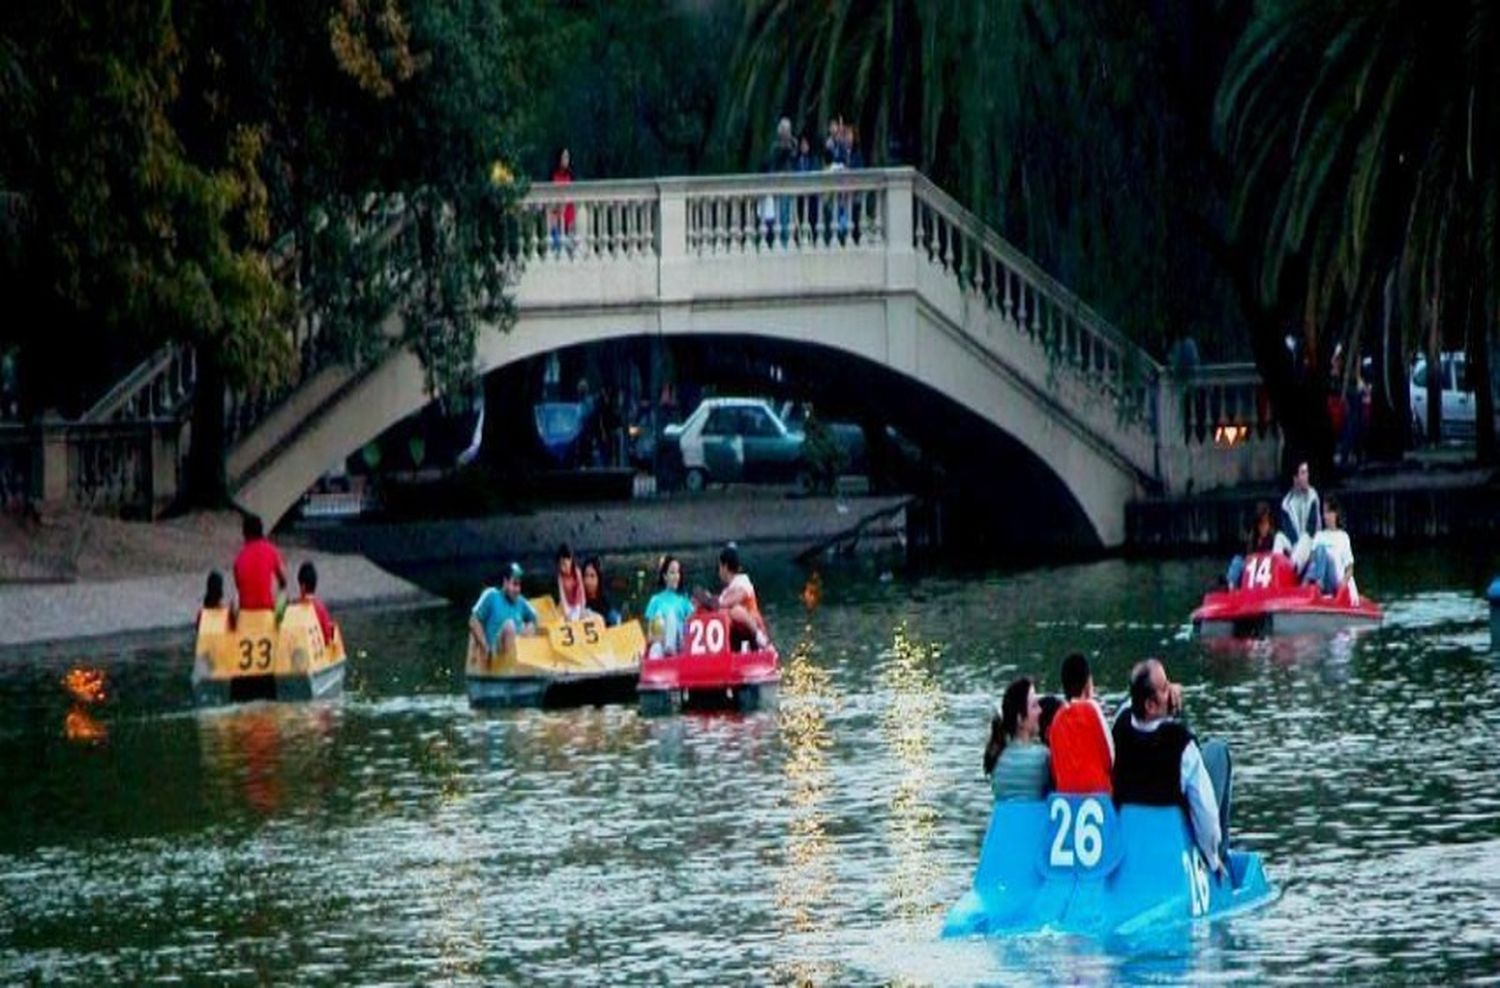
(808, 698)
(262, 753)
(86, 688)
(400, 837)
(913, 705)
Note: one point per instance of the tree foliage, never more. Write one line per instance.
(1366, 136)
(1080, 131)
(125, 239)
(631, 87)
(216, 174)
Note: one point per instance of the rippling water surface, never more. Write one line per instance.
(398, 836)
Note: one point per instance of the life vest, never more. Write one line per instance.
(1082, 759)
(1148, 764)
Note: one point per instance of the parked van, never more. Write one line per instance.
(1459, 403)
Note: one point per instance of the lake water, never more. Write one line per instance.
(397, 836)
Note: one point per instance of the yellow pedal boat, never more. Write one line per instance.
(258, 659)
(567, 664)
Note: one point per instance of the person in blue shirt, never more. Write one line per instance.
(668, 611)
(1017, 762)
(500, 615)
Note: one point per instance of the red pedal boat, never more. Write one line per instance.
(708, 674)
(1269, 601)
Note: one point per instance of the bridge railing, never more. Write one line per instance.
(120, 467)
(1217, 428)
(1013, 287)
(159, 387)
(588, 221)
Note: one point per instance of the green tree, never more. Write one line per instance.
(1365, 142)
(123, 241)
(1079, 131)
(631, 87)
(167, 148)
(379, 126)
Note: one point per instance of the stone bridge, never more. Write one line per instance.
(880, 265)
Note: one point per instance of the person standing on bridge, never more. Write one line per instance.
(561, 219)
(258, 570)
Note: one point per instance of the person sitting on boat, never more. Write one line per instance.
(258, 570)
(571, 599)
(1300, 515)
(1264, 537)
(500, 615)
(213, 591)
(596, 600)
(738, 598)
(1083, 752)
(1158, 762)
(1332, 562)
(668, 610)
(1015, 760)
(307, 584)
(1052, 704)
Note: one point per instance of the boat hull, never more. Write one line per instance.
(1132, 877)
(719, 680)
(326, 683)
(571, 664)
(1259, 613)
(553, 692)
(742, 698)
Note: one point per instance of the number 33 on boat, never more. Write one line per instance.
(260, 659)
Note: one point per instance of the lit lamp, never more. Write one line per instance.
(1226, 435)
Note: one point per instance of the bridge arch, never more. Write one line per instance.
(890, 334)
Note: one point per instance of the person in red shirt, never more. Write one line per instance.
(1083, 752)
(307, 582)
(258, 570)
(561, 220)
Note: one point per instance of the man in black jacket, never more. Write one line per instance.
(1158, 761)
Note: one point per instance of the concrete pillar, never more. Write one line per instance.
(165, 439)
(673, 282)
(1171, 449)
(51, 479)
(900, 258)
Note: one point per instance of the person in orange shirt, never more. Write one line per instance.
(1083, 753)
(307, 582)
(737, 598)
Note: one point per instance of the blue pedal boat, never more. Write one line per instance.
(1075, 864)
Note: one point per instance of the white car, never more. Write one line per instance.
(734, 439)
(1458, 396)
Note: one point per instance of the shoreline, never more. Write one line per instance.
(356, 563)
(39, 616)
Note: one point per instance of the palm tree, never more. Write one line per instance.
(1364, 139)
(1074, 129)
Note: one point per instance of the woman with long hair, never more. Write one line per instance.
(1018, 764)
(668, 610)
(596, 598)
